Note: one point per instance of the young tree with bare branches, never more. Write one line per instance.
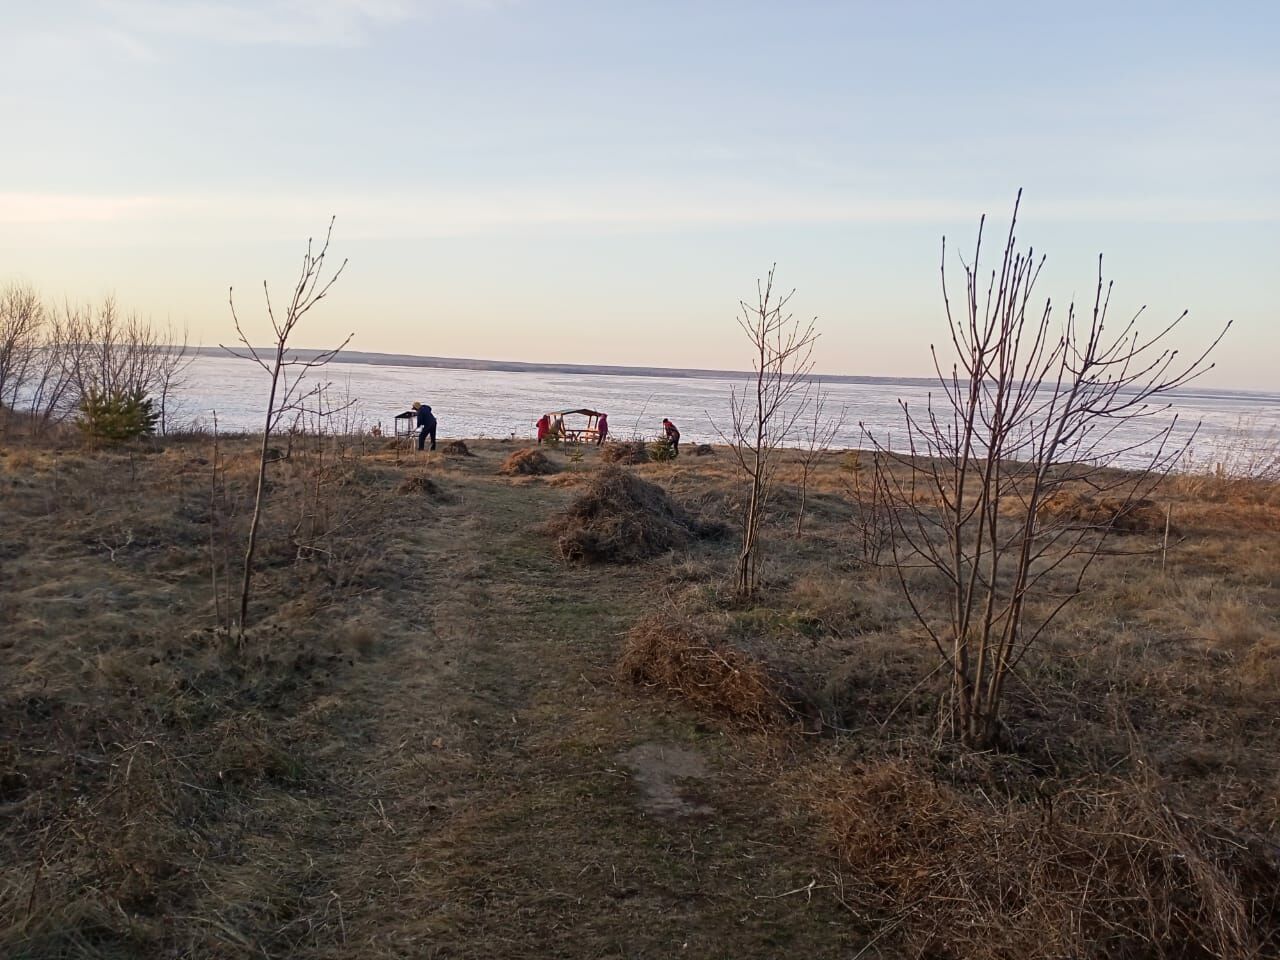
(765, 412)
(819, 429)
(1032, 408)
(287, 374)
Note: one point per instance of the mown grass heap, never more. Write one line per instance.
(1113, 513)
(527, 463)
(677, 656)
(621, 518)
(626, 451)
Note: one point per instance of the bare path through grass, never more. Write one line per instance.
(491, 810)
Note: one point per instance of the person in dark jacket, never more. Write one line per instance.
(427, 423)
(672, 435)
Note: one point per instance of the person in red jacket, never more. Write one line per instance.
(543, 425)
(672, 435)
(602, 428)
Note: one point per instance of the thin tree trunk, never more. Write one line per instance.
(258, 494)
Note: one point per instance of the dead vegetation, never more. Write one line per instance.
(1127, 810)
(457, 448)
(1104, 868)
(620, 518)
(161, 792)
(528, 462)
(625, 451)
(678, 657)
(421, 485)
(145, 753)
(1106, 513)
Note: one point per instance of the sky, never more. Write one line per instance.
(602, 182)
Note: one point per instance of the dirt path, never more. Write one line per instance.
(502, 798)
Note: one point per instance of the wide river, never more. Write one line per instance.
(485, 403)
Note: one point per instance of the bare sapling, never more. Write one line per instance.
(287, 375)
(873, 527)
(1032, 410)
(820, 428)
(766, 411)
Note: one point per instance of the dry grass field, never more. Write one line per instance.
(488, 711)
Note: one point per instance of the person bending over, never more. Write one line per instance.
(426, 424)
(672, 435)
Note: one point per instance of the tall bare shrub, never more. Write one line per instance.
(287, 375)
(1030, 405)
(765, 411)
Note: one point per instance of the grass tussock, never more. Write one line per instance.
(1105, 869)
(421, 485)
(1135, 516)
(677, 657)
(457, 448)
(620, 518)
(625, 451)
(527, 463)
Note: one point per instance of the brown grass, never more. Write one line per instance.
(528, 462)
(1136, 516)
(421, 485)
(620, 518)
(1103, 869)
(424, 687)
(677, 657)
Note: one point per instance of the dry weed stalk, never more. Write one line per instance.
(1029, 406)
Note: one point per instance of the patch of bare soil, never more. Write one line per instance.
(660, 771)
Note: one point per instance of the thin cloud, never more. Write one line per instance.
(301, 23)
(486, 211)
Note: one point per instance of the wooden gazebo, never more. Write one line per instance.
(585, 430)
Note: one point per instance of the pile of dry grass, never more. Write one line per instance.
(1120, 516)
(620, 518)
(457, 448)
(421, 485)
(625, 451)
(677, 657)
(527, 463)
(1099, 870)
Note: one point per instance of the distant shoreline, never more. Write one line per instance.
(519, 366)
(616, 370)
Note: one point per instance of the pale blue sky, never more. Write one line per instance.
(600, 181)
